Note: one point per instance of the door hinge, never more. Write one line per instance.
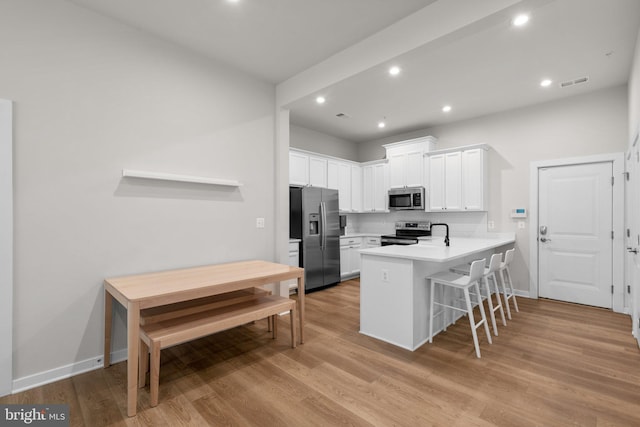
(611, 235)
(628, 232)
(626, 174)
(612, 180)
(611, 288)
(628, 289)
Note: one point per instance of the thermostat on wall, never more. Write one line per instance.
(518, 213)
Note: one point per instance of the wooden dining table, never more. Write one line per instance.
(143, 291)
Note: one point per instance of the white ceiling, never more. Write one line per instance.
(271, 39)
(486, 67)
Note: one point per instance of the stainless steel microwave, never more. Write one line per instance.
(408, 198)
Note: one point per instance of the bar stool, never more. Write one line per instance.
(489, 274)
(505, 273)
(464, 283)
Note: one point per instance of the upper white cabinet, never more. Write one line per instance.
(475, 179)
(345, 177)
(458, 179)
(306, 169)
(375, 186)
(356, 188)
(298, 168)
(406, 164)
(317, 171)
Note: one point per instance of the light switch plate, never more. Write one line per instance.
(259, 222)
(521, 225)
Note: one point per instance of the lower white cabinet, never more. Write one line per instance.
(294, 260)
(350, 256)
(370, 242)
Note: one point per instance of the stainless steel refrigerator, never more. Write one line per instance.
(314, 219)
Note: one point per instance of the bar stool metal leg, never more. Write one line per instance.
(472, 322)
(484, 317)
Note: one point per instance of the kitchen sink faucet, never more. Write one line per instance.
(446, 237)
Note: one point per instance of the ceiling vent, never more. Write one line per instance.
(343, 116)
(574, 82)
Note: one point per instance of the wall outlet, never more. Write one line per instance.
(259, 222)
(385, 275)
(491, 225)
(521, 225)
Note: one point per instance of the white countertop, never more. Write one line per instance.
(435, 251)
(346, 236)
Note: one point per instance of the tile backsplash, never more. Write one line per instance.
(462, 224)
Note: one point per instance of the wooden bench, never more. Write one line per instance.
(185, 308)
(178, 330)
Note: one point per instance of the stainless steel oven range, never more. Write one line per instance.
(407, 233)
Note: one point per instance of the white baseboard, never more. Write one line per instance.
(62, 372)
(521, 293)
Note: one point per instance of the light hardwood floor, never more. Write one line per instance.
(554, 364)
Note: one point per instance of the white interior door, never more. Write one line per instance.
(633, 234)
(575, 223)
(6, 247)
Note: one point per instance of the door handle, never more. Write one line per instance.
(632, 250)
(544, 239)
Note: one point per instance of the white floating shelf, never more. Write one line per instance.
(179, 178)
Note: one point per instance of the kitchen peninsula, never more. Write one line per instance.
(394, 292)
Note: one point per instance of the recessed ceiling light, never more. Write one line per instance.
(381, 125)
(545, 83)
(320, 100)
(394, 71)
(520, 20)
(446, 108)
(233, 1)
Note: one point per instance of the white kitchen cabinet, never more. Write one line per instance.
(332, 174)
(457, 179)
(370, 242)
(453, 181)
(474, 179)
(406, 164)
(345, 264)
(306, 169)
(375, 187)
(445, 181)
(350, 256)
(340, 176)
(397, 166)
(298, 168)
(406, 170)
(344, 187)
(356, 188)
(317, 171)
(380, 188)
(288, 286)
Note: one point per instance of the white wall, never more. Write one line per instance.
(6, 245)
(318, 142)
(93, 96)
(634, 127)
(634, 92)
(583, 125)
